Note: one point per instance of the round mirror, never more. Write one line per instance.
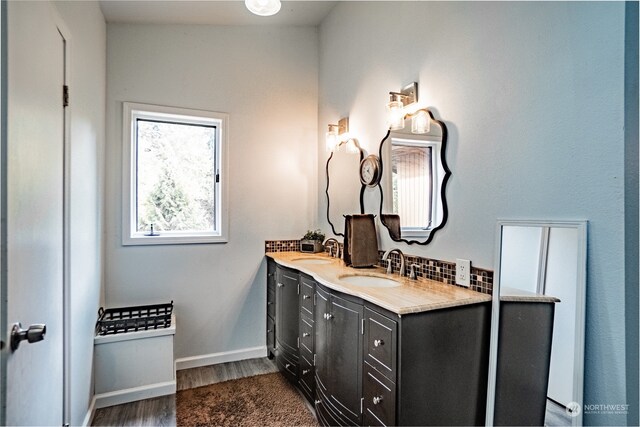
(414, 176)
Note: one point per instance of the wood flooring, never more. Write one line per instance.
(161, 411)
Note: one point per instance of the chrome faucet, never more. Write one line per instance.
(332, 240)
(386, 256)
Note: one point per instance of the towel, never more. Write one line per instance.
(346, 249)
(363, 241)
(392, 222)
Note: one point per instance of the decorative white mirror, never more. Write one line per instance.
(536, 367)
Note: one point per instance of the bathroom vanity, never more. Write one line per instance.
(366, 351)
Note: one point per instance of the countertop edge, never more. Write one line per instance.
(362, 294)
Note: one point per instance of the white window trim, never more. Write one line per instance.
(132, 111)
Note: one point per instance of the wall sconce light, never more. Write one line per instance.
(398, 100)
(263, 7)
(333, 136)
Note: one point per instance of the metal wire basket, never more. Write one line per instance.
(131, 319)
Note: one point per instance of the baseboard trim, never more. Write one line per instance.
(90, 412)
(133, 394)
(222, 357)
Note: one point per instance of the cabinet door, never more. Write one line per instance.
(320, 343)
(287, 311)
(345, 347)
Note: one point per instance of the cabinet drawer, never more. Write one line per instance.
(271, 334)
(307, 377)
(271, 275)
(379, 398)
(307, 289)
(306, 334)
(380, 343)
(287, 365)
(271, 303)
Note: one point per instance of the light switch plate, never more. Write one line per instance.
(463, 272)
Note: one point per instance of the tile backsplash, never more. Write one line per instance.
(282, 245)
(432, 269)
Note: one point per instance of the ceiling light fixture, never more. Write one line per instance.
(263, 7)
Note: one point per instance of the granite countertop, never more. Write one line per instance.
(508, 294)
(413, 296)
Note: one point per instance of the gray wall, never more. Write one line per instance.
(265, 78)
(532, 94)
(87, 88)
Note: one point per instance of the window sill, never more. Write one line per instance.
(184, 239)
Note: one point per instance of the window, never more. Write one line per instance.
(174, 191)
(413, 184)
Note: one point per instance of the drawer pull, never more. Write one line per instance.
(269, 331)
(305, 334)
(305, 297)
(378, 343)
(317, 402)
(269, 302)
(328, 316)
(270, 274)
(377, 400)
(287, 365)
(280, 285)
(305, 371)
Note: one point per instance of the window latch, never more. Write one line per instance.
(217, 176)
(151, 232)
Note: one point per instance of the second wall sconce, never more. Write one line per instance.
(336, 134)
(396, 110)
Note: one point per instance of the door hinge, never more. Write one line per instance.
(314, 300)
(361, 403)
(65, 96)
(314, 359)
(362, 326)
(298, 342)
(298, 288)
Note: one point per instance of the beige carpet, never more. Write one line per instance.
(262, 400)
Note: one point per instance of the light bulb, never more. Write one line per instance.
(395, 115)
(352, 147)
(331, 139)
(263, 7)
(420, 122)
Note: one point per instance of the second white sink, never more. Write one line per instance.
(369, 281)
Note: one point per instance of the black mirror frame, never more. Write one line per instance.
(447, 174)
(362, 187)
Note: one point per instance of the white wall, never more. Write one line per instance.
(532, 95)
(87, 99)
(266, 80)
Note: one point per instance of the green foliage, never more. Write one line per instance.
(314, 235)
(175, 177)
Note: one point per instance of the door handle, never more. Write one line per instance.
(34, 333)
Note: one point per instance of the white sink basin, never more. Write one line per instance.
(370, 281)
(312, 261)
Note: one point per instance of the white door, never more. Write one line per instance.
(34, 198)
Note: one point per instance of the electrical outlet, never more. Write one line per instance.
(463, 272)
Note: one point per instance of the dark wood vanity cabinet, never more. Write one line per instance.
(363, 365)
(271, 309)
(287, 322)
(339, 338)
